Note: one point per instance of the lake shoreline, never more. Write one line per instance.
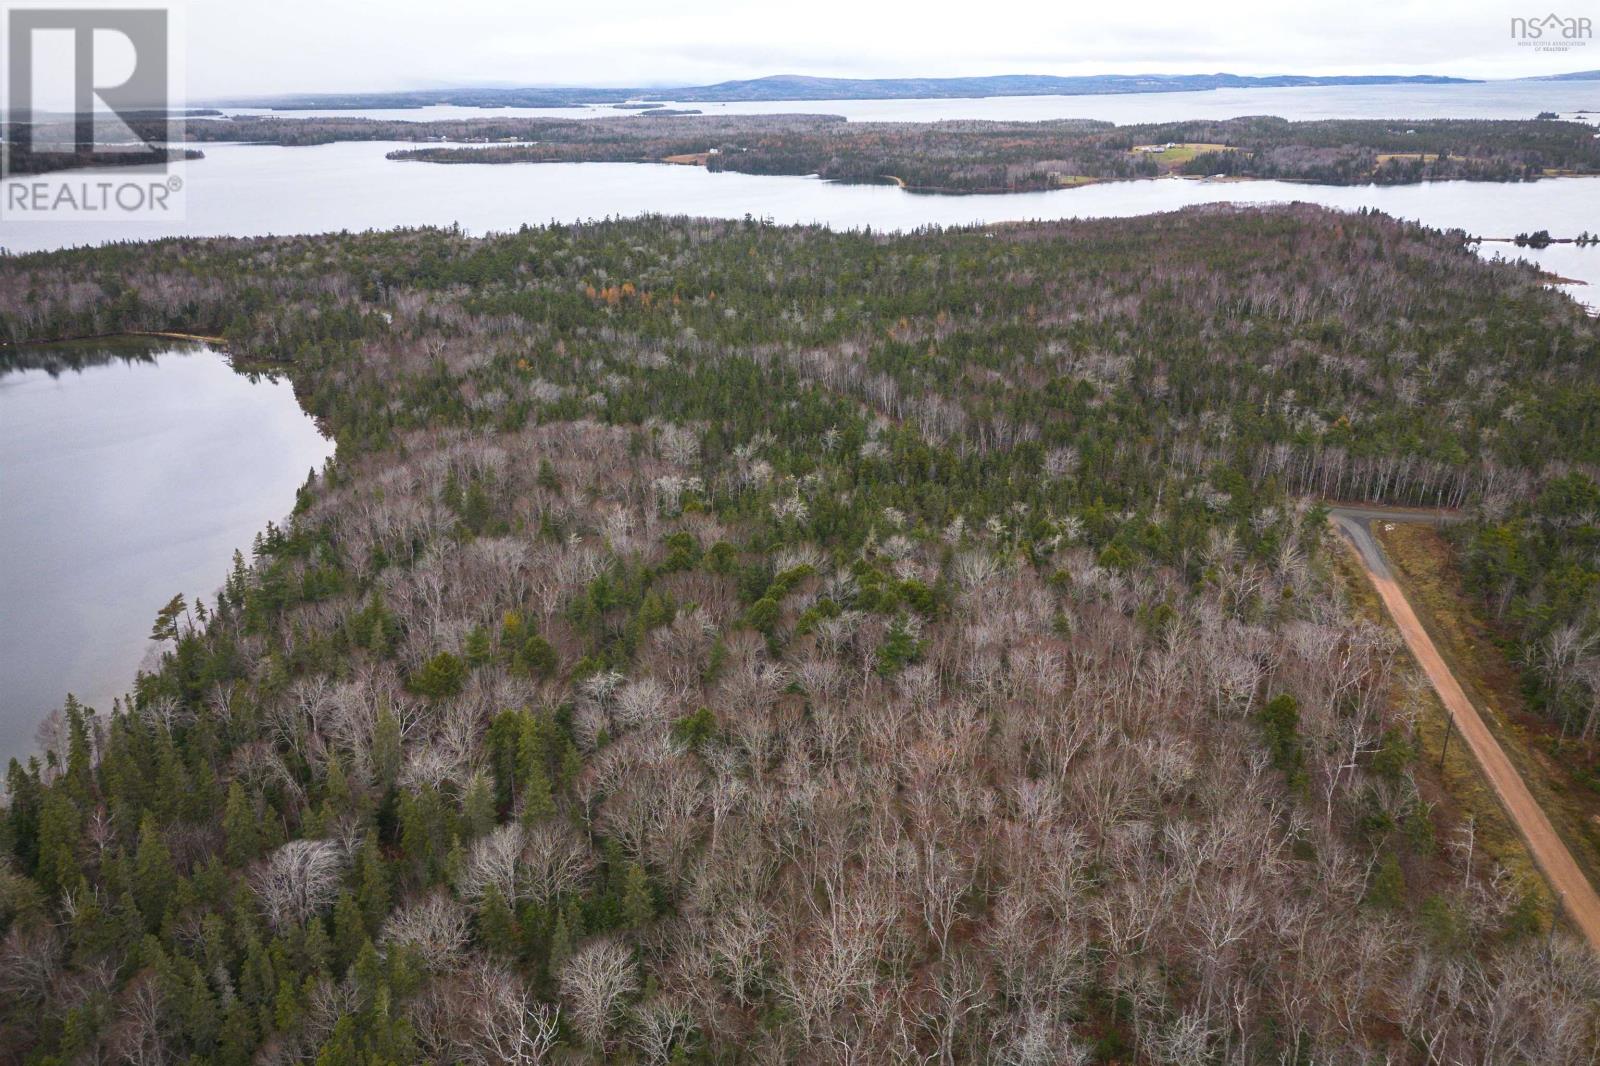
(199, 338)
(133, 470)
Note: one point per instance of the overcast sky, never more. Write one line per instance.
(242, 47)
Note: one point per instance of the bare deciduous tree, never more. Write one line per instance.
(595, 982)
(436, 927)
(504, 1024)
(554, 861)
(298, 880)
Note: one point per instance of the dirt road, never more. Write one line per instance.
(1566, 878)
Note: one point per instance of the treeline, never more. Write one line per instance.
(58, 359)
(54, 145)
(636, 135)
(1389, 152)
(23, 161)
(1536, 565)
(1026, 156)
(718, 642)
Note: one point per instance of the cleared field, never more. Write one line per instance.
(1179, 153)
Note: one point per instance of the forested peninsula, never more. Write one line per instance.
(991, 157)
(718, 642)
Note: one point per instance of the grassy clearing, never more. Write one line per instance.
(1454, 787)
(1181, 153)
(1425, 157)
(1425, 564)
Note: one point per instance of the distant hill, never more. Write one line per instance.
(1577, 75)
(798, 87)
(801, 87)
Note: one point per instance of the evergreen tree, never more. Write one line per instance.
(316, 947)
(564, 937)
(497, 926)
(166, 624)
(153, 874)
(537, 801)
(638, 904)
(477, 807)
(22, 813)
(479, 647)
(58, 844)
(349, 932)
(241, 827)
(79, 779)
(286, 1006)
(386, 752)
(335, 786)
(372, 887)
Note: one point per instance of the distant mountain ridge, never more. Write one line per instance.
(1577, 75)
(803, 87)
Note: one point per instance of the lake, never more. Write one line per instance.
(125, 481)
(249, 190)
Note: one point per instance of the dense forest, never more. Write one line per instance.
(956, 157)
(1536, 564)
(718, 642)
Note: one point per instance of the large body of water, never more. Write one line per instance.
(1498, 99)
(121, 484)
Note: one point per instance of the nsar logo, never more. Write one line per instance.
(1552, 33)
